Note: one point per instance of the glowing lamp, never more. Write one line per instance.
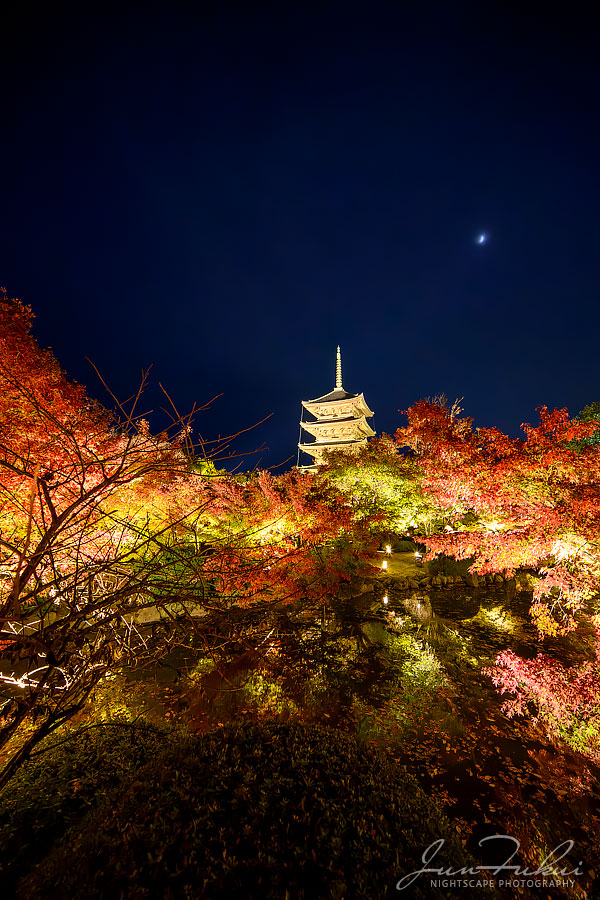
(384, 564)
(388, 549)
(385, 599)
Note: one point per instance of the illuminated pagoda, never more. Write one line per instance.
(340, 421)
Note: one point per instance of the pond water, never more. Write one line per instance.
(406, 676)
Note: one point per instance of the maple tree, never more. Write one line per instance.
(290, 541)
(567, 698)
(87, 535)
(384, 487)
(534, 503)
(534, 500)
(107, 531)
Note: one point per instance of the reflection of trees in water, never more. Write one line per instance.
(347, 655)
(457, 606)
(328, 660)
(371, 653)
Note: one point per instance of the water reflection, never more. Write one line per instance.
(407, 676)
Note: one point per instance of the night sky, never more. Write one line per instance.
(228, 192)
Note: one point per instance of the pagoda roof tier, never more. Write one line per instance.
(332, 420)
(328, 445)
(358, 425)
(329, 404)
(335, 394)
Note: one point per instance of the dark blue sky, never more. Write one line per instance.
(230, 194)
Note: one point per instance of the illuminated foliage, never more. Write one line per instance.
(282, 538)
(384, 487)
(591, 415)
(567, 699)
(537, 505)
(108, 533)
(536, 502)
(88, 530)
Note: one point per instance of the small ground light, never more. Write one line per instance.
(388, 549)
(385, 599)
(384, 564)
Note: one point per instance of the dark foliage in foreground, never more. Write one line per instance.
(254, 812)
(66, 778)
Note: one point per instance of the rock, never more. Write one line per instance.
(472, 580)
(436, 581)
(499, 579)
(356, 587)
(412, 584)
(344, 591)
(466, 606)
(525, 582)
(425, 581)
(418, 606)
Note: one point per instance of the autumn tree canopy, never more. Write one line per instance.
(106, 529)
(591, 415)
(536, 502)
(532, 503)
(384, 487)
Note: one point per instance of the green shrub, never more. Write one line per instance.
(255, 812)
(69, 774)
(448, 565)
(404, 546)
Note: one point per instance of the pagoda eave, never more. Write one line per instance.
(347, 429)
(350, 406)
(317, 450)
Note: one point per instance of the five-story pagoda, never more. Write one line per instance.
(340, 421)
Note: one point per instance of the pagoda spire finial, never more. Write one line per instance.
(338, 370)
